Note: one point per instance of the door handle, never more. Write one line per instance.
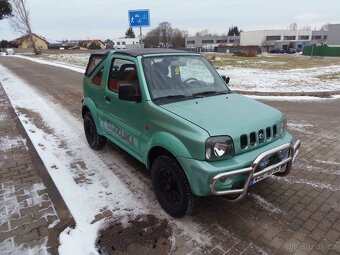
(107, 99)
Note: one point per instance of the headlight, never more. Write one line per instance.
(218, 148)
(283, 126)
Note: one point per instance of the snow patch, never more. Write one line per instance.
(61, 64)
(302, 127)
(334, 163)
(9, 247)
(303, 164)
(291, 98)
(299, 126)
(319, 185)
(13, 207)
(266, 204)
(304, 80)
(7, 143)
(3, 116)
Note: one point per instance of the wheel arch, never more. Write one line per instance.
(156, 152)
(89, 106)
(163, 143)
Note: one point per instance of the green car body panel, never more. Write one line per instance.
(180, 127)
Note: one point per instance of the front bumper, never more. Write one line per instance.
(250, 171)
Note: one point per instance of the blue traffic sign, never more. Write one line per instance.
(139, 18)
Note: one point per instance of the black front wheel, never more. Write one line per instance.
(172, 188)
(95, 140)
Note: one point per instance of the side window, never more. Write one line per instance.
(94, 61)
(97, 79)
(123, 72)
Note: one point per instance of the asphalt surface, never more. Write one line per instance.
(294, 215)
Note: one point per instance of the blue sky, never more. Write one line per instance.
(102, 19)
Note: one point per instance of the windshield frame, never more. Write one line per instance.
(175, 97)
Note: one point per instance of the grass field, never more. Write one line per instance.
(271, 62)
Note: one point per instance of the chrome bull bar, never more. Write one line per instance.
(294, 151)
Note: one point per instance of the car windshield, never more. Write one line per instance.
(182, 77)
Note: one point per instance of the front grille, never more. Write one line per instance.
(252, 138)
(268, 132)
(244, 141)
(258, 137)
(261, 136)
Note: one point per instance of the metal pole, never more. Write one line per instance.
(140, 37)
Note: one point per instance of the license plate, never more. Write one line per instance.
(264, 175)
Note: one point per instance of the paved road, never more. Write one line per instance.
(294, 215)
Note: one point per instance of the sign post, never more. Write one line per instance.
(139, 18)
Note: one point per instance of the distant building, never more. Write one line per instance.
(125, 43)
(211, 42)
(52, 44)
(25, 42)
(276, 39)
(333, 35)
(270, 40)
(92, 44)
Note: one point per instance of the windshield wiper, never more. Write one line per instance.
(209, 92)
(170, 97)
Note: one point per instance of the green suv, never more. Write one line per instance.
(173, 112)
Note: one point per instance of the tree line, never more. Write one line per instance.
(165, 36)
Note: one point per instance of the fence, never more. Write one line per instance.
(322, 51)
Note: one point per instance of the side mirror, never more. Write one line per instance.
(127, 92)
(226, 79)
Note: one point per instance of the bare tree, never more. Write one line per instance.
(267, 44)
(20, 21)
(178, 39)
(165, 36)
(293, 26)
(166, 33)
(204, 32)
(306, 28)
(152, 38)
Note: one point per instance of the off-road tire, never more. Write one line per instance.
(95, 140)
(178, 201)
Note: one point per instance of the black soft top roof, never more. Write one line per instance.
(147, 51)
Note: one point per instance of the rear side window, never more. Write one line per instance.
(97, 79)
(94, 61)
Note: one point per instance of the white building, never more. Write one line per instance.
(125, 43)
(333, 35)
(285, 39)
(210, 41)
(276, 39)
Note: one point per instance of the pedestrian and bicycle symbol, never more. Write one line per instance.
(139, 18)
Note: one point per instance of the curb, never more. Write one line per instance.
(65, 216)
(322, 94)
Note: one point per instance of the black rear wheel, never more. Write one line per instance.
(172, 188)
(95, 140)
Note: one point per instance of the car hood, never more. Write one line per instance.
(230, 114)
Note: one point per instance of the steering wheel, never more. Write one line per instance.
(189, 80)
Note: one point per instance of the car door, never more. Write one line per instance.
(123, 119)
